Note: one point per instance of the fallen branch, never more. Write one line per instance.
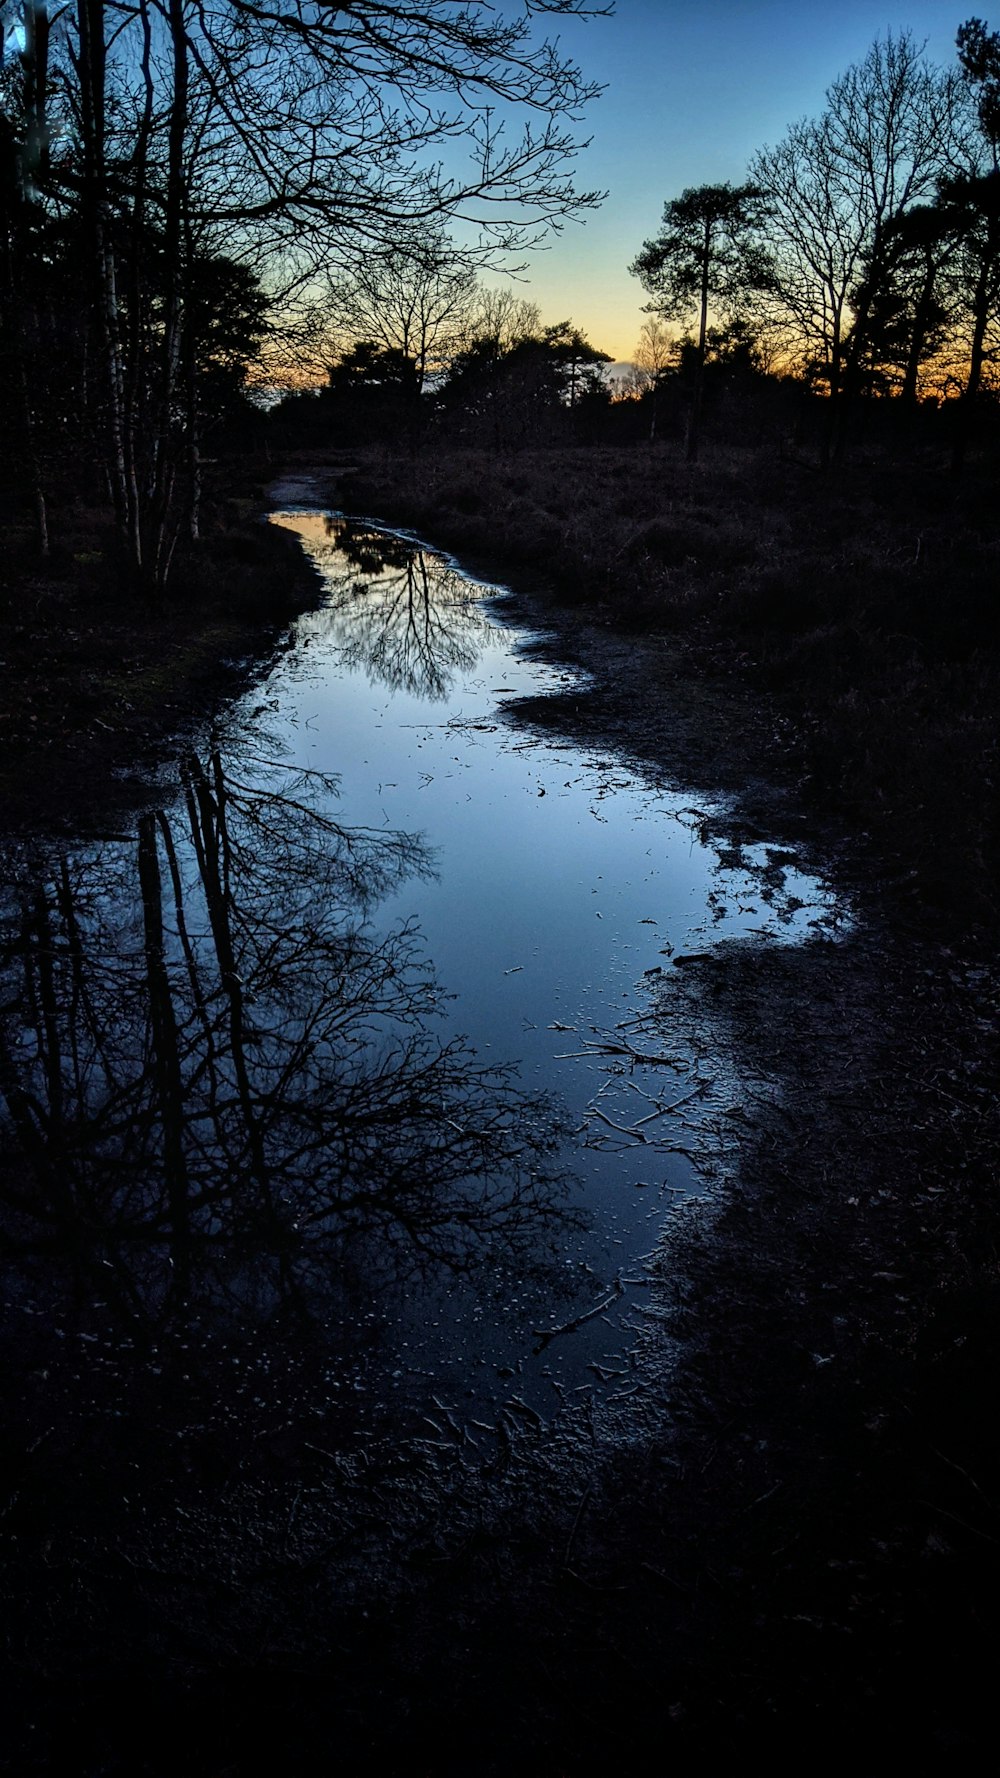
(545, 1334)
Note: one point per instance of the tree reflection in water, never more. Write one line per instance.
(393, 608)
(224, 1088)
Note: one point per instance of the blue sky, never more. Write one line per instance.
(692, 90)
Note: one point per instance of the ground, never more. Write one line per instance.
(97, 679)
(782, 1546)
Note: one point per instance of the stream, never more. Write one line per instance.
(335, 1100)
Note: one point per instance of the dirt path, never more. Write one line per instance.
(804, 1546)
(781, 1541)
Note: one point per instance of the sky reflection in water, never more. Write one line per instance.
(564, 885)
(258, 1059)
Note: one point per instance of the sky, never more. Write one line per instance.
(693, 88)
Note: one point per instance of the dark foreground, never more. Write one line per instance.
(780, 1541)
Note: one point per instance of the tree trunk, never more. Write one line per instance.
(921, 322)
(694, 422)
(92, 89)
(19, 172)
(967, 400)
(133, 371)
(833, 406)
(162, 521)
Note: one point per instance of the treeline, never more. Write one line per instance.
(862, 255)
(852, 282)
(181, 185)
(191, 197)
(426, 351)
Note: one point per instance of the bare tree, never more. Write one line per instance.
(291, 138)
(655, 353)
(416, 297)
(834, 186)
(503, 318)
(970, 203)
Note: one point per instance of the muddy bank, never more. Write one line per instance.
(782, 1531)
(807, 1544)
(97, 683)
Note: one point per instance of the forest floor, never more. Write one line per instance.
(784, 1542)
(96, 679)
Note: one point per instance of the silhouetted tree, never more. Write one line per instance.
(655, 354)
(696, 263)
(280, 138)
(523, 392)
(372, 392)
(891, 118)
(504, 318)
(577, 360)
(972, 204)
(415, 297)
(912, 301)
(834, 187)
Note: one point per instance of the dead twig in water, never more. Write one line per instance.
(545, 1334)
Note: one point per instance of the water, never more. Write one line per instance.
(335, 1092)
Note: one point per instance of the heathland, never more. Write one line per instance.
(794, 1534)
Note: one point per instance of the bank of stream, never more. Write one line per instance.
(501, 1275)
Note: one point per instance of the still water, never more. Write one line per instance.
(334, 1094)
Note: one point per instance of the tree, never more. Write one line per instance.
(415, 297)
(979, 58)
(521, 392)
(373, 393)
(892, 119)
(655, 354)
(834, 187)
(577, 361)
(909, 299)
(971, 209)
(504, 318)
(696, 263)
(287, 138)
(30, 347)
(971, 201)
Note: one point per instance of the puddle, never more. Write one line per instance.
(334, 1091)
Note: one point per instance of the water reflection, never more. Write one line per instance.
(394, 609)
(222, 1084)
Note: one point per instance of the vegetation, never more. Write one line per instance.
(845, 307)
(860, 263)
(188, 196)
(697, 260)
